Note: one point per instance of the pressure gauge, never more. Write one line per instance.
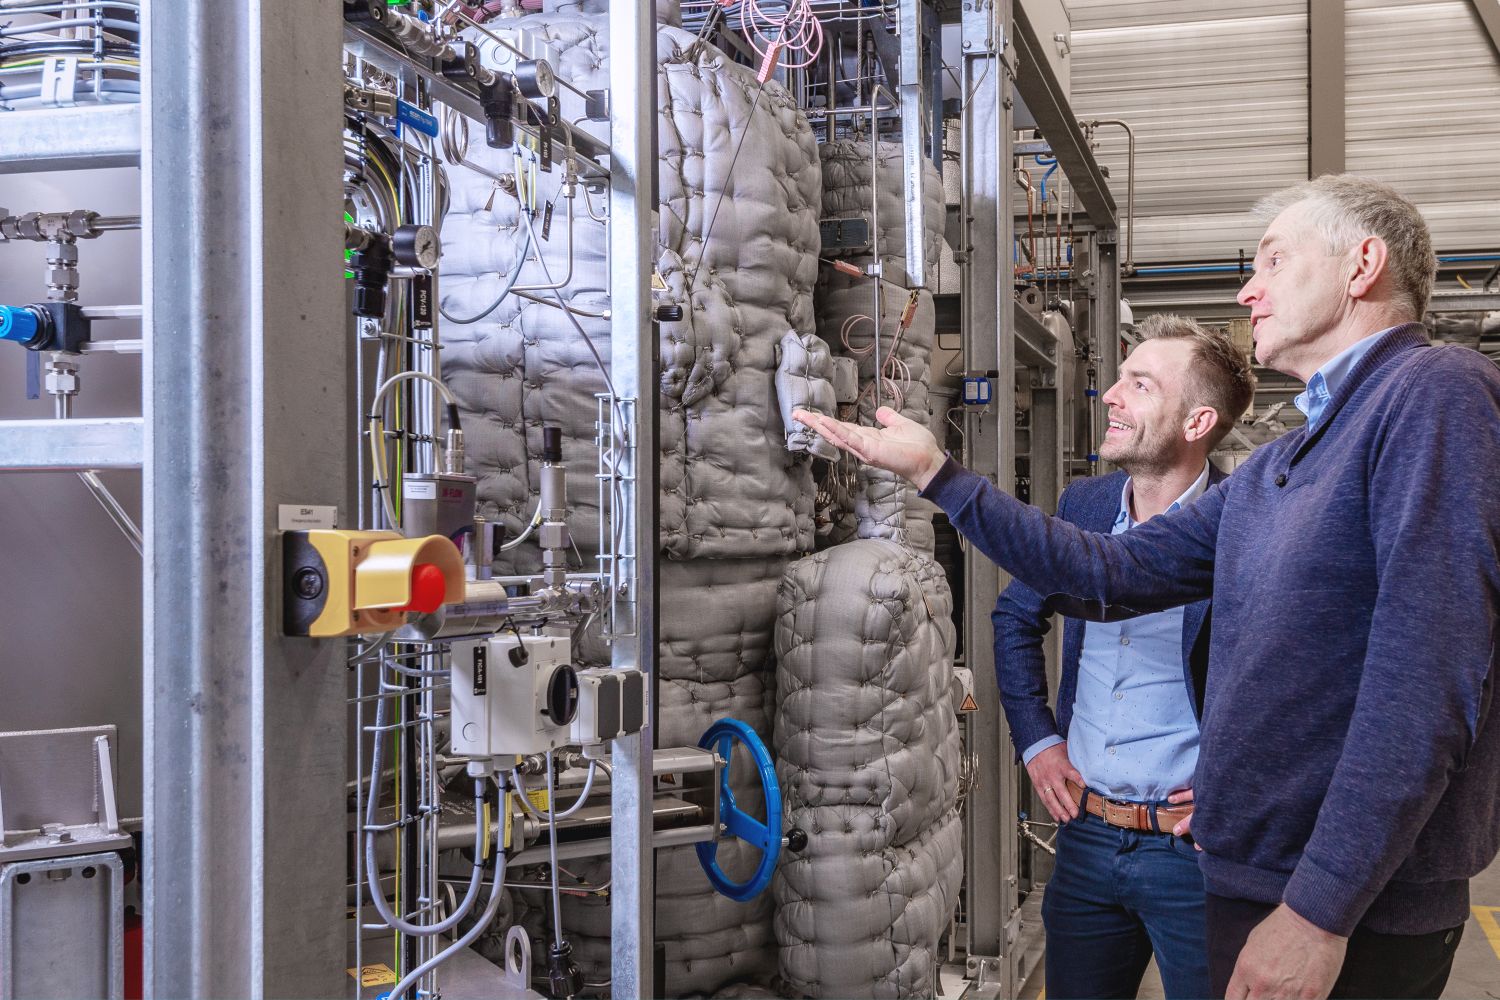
(536, 79)
(417, 246)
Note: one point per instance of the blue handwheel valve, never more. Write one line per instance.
(762, 835)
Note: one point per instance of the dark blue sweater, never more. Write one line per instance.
(1022, 619)
(1350, 759)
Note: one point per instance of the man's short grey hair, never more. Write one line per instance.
(1347, 209)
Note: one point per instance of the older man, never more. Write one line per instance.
(1126, 726)
(1348, 783)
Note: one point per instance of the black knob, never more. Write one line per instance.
(308, 583)
(562, 696)
(552, 445)
(1281, 479)
(669, 313)
(796, 840)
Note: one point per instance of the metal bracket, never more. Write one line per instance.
(60, 80)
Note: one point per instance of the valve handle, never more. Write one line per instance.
(762, 834)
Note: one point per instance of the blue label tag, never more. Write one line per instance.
(417, 119)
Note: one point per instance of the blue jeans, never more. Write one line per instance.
(1115, 897)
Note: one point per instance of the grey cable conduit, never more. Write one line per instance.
(372, 867)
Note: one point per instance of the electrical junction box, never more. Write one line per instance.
(611, 704)
(976, 391)
(840, 235)
(512, 695)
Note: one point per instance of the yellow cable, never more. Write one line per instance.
(1461, 281)
(485, 850)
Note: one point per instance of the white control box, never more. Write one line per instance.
(502, 707)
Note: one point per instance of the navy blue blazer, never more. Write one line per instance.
(1022, 619)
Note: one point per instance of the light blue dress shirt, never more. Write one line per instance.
(1134, 735)
(1313, 401)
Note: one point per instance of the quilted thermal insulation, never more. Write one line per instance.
(867, 752)
(865, 732)
(730, 486)
(736, 483)
(864, 501)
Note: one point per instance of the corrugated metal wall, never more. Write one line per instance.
(1217, 93)
(1423, 113)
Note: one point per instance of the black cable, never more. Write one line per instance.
(64, 48)
(510, 282)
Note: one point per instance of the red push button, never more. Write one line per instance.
(428, 589)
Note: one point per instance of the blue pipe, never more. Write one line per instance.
(1478, 258)
(1043, 161)
(1193, 269)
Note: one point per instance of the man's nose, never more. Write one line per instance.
(1111, 395)
(1249, 291)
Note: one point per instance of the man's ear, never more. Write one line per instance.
(1200, 423)
(1371, 257)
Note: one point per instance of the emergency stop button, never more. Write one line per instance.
(359, 582)
(429, 589)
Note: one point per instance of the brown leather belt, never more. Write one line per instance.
(1130, 815)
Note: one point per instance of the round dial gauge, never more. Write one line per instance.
(417, 246)
(536, 79)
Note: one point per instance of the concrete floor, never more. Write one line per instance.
(1476, 967)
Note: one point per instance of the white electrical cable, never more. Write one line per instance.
(385, 387)
(377, 434)
(371, 862)
(583, 796)
(480, 926)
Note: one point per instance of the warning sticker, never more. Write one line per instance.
(969, 705)
(375, 975)
(539, 800)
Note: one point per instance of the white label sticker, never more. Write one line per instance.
(419, 489)
(297, 517)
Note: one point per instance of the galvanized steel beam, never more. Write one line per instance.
(246, 407)
(1325, 88)
(990, 842)
(913, 156)
(1048, 104)
(70, 445)
(633, 353)
(105, 135)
